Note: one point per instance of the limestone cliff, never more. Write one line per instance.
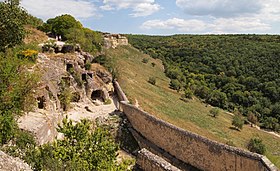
(59, 72)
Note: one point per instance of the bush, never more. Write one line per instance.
(188, 93)
(238, 121)
(88, 66)
(255, 145)
(153, 64)
(175, 84)
(81, 149)
(65, 96)
(214, 112)
(28, 54)
(107, 102)
(152, 80)
(252, 118)
(145, 60)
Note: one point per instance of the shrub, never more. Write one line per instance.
(152, 80)
(252, 118)
(214, 112)
(107, 102)
(153, 64)
(230, 143)
(238, 121)
(255, 145)
(188, 93)
(175, 84)
(145, 60)
(88, 66)
(28, 54)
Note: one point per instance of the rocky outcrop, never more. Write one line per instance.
(114, 40)
(8, 163)
(59, 72)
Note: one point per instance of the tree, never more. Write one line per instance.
(61, 24)
(16, 93)
(175, 84)
(81, 149)
(12, 19)
(238, 121)
(255, 145)
(214, 112)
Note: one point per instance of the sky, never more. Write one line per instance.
(166, 17)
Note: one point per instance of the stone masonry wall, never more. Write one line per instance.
(191, 148)
(151, 162)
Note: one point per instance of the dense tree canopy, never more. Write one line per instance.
(73, 31)
(234, 72)
(12, 20)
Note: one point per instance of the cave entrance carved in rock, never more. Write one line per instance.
(97, 95)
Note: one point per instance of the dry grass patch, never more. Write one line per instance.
(165, 103)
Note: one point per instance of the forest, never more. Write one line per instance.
(238, 73)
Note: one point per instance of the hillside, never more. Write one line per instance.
(239, 73)
(165, 103)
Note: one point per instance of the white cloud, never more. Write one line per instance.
(140, 8)
(237, 25)
(219, 26)
(220, 8)
(80, 9)
(176, 23)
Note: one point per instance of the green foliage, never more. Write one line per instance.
(227, 71)
(175, 84)
(214, 112)
(255, 145)
(65, 96)
(28, 54)
(34, 21)
(88, 66)
(61, 24)
(272, 124)
(72, 30)
(8, 127)
(188, 93)
(16, 92)
(109, 63)
(12, 20)
(107, 101)
(145, 60)
(238, 121)
(152, 80)
(81, 149)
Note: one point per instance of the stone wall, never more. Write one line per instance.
(191, 148)
(188, 147)
(151, 162)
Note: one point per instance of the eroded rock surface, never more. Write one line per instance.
(59, 72)
(8, 163)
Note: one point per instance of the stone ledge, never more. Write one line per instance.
(151, 162)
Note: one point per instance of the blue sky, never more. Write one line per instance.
(166, 17)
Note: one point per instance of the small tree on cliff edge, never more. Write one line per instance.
(238, 121)
(12, 19)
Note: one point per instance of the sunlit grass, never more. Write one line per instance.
(165, 103)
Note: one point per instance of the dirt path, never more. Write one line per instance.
(88, 110)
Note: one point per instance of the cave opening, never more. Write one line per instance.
(97, 95)
(69, 67)
(41, 102)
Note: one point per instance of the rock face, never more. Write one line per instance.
(8, 163)
(114, 40)
(58, 72)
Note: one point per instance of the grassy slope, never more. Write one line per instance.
(165, 103)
